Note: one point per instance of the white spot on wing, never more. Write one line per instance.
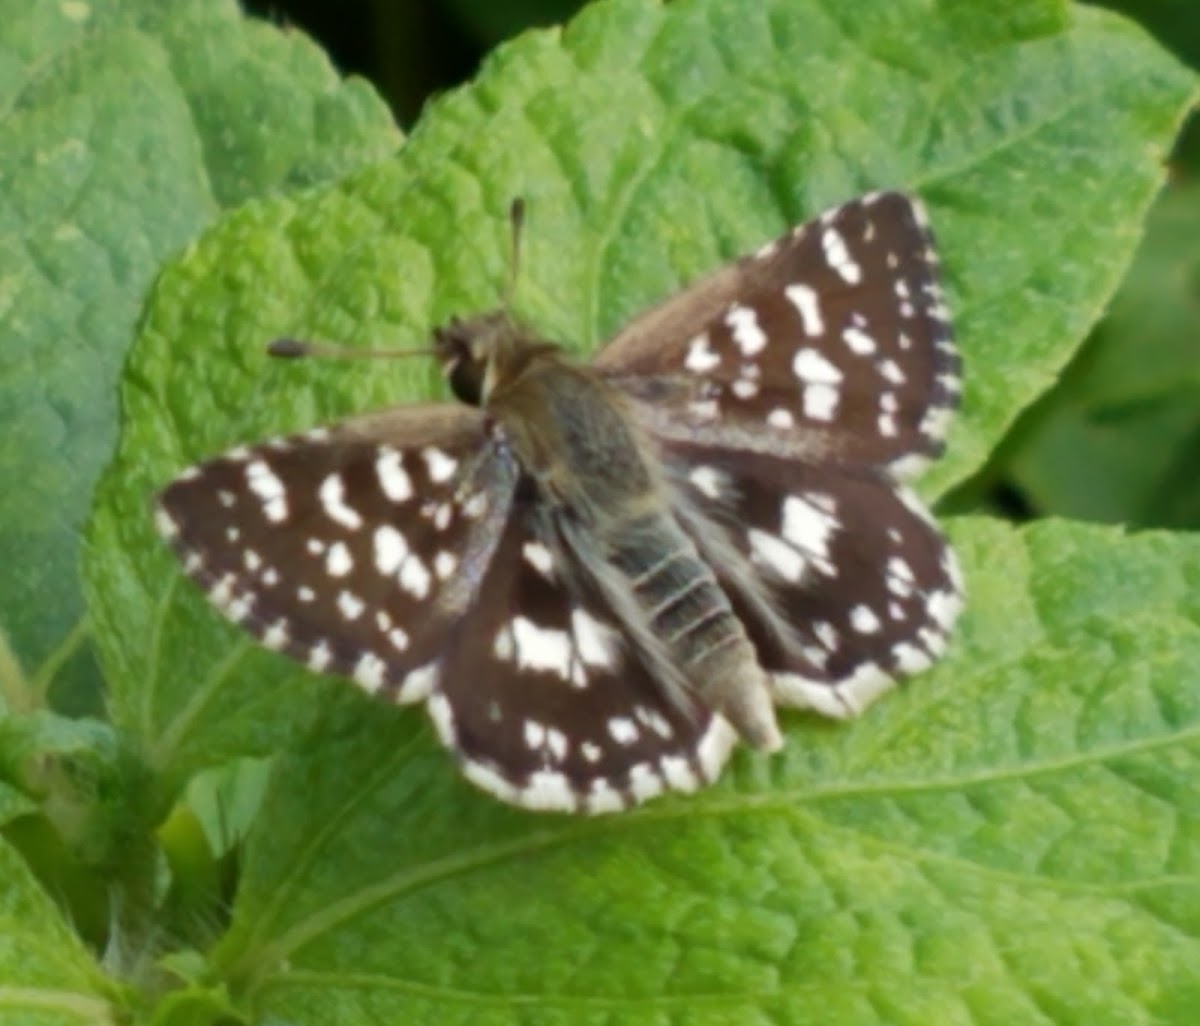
(369, 671)
(503, 644)
(264, 483)
(890, 369)
(644, 781)
(810, 529)
(222, 592)
(547, 789)
(707, 481)
(744, 388)
(393, 479)
(820, 401)
(858, 341)
(350, 605)
(623, 730)
(390, 549)
(700, 357)
(277, 635)
(591, 639)
(826, 634)
(806, 301)
(677, 772)
(814, 369)
(441, 467)
(165, 523)
(542, 648)
(338, 561)
(747, 335)
(418, 685)
(603, 797)
(655, 720)
(535, 734)
(838, 256)
(332, 494)
(538, 556)
(769, 551)
(864, 620)
(414, 577)
(238, 608)
(319, 657)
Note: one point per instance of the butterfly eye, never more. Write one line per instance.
(465, 375)
(463, 361)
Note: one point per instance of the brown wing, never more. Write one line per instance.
(832, 342)
(354, 548)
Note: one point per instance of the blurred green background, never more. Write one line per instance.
(1116, 441)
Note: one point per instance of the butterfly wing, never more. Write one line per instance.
(545, 700)
(403, 550)
(353, 549)
(788, 391)
(840, 577)
(832, 343)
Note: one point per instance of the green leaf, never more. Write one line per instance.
(1007, 839)
(651, 144)
(126, 126)
(46, 976)
(1117, 439)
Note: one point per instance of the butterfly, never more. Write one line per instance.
(600, 576)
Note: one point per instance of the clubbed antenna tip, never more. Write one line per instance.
(288, 348)
(293, 349)
(516, 220)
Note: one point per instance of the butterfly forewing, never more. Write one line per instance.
(353, 549)
(839, 574)
(831, 343)
(545, 702)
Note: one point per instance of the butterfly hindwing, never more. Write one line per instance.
(546, 702)
(838, 573)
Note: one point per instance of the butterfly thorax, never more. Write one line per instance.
(569, 430)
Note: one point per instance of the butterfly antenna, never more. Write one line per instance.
(294, 349)
(516, 221)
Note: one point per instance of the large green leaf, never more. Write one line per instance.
(1119, 438)
(47, 978)
(651, 143)
(125, 127)
(1012, 838)
(921, 865)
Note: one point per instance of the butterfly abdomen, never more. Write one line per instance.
(687, 611)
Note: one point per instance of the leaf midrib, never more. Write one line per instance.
(412, 879)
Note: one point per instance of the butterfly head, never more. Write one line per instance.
(479, 354)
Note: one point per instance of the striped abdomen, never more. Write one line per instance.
(688, 612)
